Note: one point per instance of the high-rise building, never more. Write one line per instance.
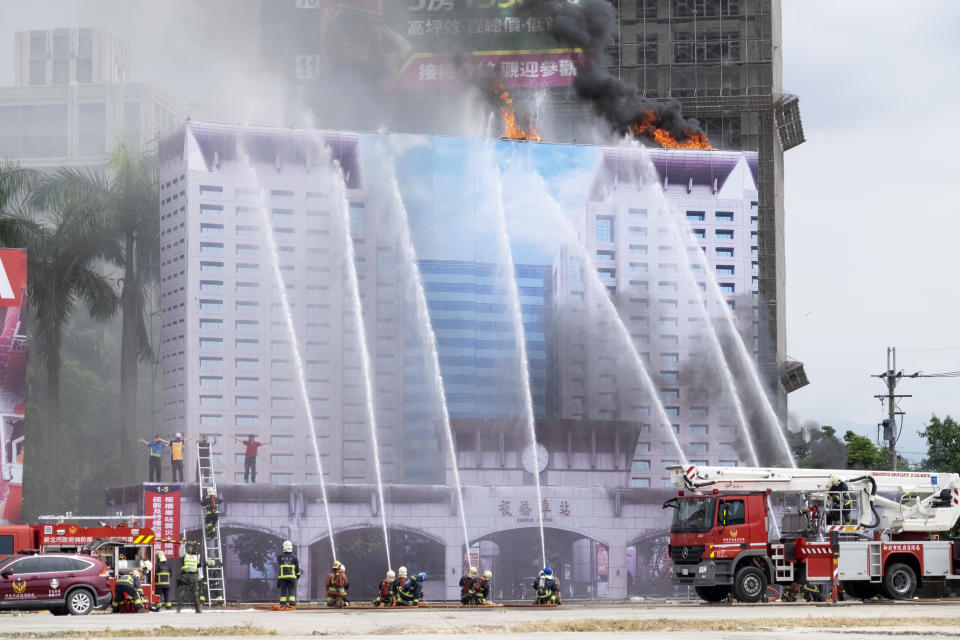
(72, 101)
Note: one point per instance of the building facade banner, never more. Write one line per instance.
(13, 372)
(162, 501)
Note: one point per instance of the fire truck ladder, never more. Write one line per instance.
(212, 549)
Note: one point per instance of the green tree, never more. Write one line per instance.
(817, 447)
(943, 444)
(861, 452)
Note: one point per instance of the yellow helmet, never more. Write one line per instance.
(211, 491)
(337, 565)
(835, 480)
(473, 572)
(402, 571)
(391, 575)
(287, 546)
(487, 575)
(161, 556)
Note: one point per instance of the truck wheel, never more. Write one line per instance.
(851, 588)
(80, 602)
(715, 593)
(750, 584)
(899, 582)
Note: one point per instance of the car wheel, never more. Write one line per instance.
(750, 584)
(80, 602)
(899, 582)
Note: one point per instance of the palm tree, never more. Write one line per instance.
(126, 194)
(15, 183)
(66, 245)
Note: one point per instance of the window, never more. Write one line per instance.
(669, 376)
(211, 363)
(731, 512)
(699, 429)
(281, 478)
(211, 286)
(247, 269)
(211, 344)
(247, 363)
(724, 216)
(6, 545)
(208, 324)
(606, 255)
(724, 252)
(667, 286)
(281, 441)
(725, 270)
(696, 216)
(247, 288)
(728, 463)
(25, 566)
(247, 231)
(604, 229)
(245, 402)
(699, 412)
(211, 210)
(211, 382)
(247, 307)
(281, 421)
(638, 249)
(727, 287)
(211, 267)
(357, 218)
(698, 447)
(638, 214)
(670, 358)
(638, 232)
(211, 248)
(247, 251)
(281, 195)
(354, 463)
(699, 234)
(210, 419)
(211, 402)
(246, 382)
(724, 234)
(210, 191)
(245, 421)
(640, 483)
(246, 326)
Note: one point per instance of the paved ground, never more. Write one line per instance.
(855, 621)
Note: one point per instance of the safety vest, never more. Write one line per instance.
(176, 450)
(191, 563)
(127, 579)
(163, 578)
(288, 571)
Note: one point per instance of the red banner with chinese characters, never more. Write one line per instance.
(162, 501)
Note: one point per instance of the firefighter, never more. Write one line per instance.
(211, 506)
(411, 592)
(401, 578)
(288, 575)
(337, 585)
(385, 596)
(466, 583)
(480, 591)
(127, 587)
(162, 575)
(811, 592)
(547, 588)
(841, 502)
(189, 581)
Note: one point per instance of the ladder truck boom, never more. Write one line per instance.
(888, 501)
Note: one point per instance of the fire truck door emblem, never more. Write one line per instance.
(19, 585)
(733, 533)
(685, 552)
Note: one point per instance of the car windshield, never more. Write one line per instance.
(693, 515)
(5, 562)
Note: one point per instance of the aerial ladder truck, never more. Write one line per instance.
(736, 530)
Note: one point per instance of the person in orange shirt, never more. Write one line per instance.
(176, 455)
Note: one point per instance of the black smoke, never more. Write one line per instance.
(591, 25)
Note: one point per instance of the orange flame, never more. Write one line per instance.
(648, 127)
(512, 130)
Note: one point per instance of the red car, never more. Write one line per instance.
(62, 583)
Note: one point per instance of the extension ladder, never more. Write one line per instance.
(212, 549)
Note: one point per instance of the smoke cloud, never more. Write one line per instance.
(591, 25)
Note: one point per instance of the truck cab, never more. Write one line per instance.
(718, 544)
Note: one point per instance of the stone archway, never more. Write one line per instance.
(361, 551)
(250, 567)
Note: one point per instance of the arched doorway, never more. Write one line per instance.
(250, 563)
(361, 551)
(648, 565)
(513, 555)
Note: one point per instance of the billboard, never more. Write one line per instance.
(415, 44)
(162, 501)
(13, 360)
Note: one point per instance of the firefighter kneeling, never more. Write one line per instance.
(547, 588)
(337, 585)
(480, 591)
(466, 583)
(288, 576)
(385, 597)
(127, 592)
(410, 592)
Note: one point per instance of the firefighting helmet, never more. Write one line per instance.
(287, 546)
(337, 565)
(402, 571)
(548, 571)
(161, 556)
(421, 576)
(487, 575)
(191, 547)
(211, 491)
(835, 480)
(391, 575)
(473, 572)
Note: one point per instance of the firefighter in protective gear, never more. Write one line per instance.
(840, 509)
(401, 578)
(385, 596)
(211, 512)
(466, 583)
(547, 588)
(162, 579)
(411, 592)
(337, 585)
(287, 576)
(189, 582)
(127, 587)
(480, 591)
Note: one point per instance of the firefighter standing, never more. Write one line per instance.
(480, 591)
(410, 593)
(337, 585)
(189, 581)
(466, 583)
(841, 502)
(162, 575)
(547, 588)
(287, 577)
(385, 597)
(127, 587)
(211, 507)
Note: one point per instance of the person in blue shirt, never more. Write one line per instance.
(156, 448)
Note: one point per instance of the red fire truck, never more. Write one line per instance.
(736, 530)
(123, 543)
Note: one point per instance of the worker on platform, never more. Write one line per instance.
(840, 510)
(385, 595)
(289, 573)
(466, 583)
(156, 448)
(211, 512)
(176, 455)
(127, 587)
(547, 587)
(189, 582)
(162, 575)
(337, 585)
(480, 591)
(250, 456)
(411, 592)
(401, 578)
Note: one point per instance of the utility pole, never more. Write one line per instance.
(891, 377)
